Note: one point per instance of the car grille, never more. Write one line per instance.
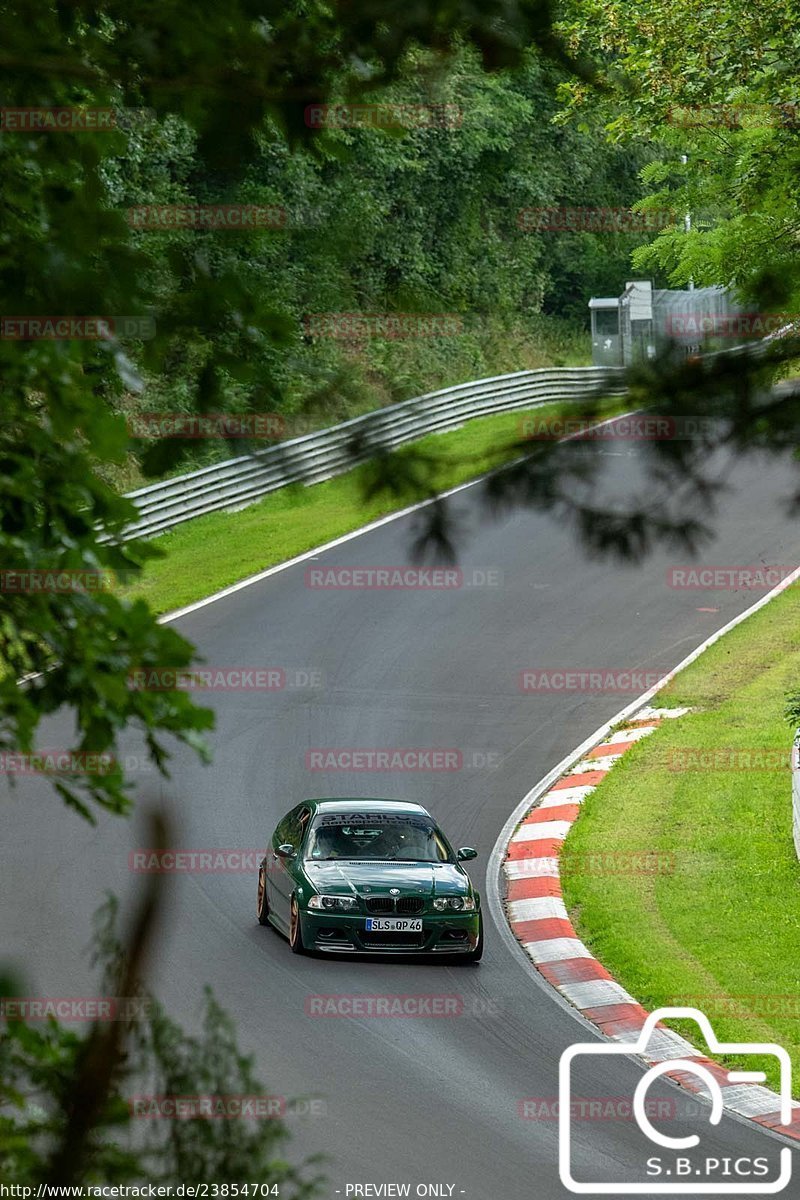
(407, 905)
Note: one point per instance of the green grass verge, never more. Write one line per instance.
(217, 550)
(719, 928)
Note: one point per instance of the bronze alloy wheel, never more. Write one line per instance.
(262, 910)
(295, 932)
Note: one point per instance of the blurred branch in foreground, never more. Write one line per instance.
(68, 1099)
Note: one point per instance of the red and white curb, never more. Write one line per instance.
(539, 920)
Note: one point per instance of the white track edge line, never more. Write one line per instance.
(497, 857)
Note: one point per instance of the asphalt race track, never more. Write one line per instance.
(425, 1100)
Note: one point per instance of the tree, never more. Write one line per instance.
(716, 90)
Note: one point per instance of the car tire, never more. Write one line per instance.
(262, 906)
(475, 955)
(295, 928)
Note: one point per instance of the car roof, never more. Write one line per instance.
(375, 804)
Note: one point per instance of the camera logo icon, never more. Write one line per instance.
(697, 1179)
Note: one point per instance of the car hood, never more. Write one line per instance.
(375, 878)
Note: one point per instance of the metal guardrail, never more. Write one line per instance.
(237, 482)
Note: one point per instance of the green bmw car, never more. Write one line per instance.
(369, 877)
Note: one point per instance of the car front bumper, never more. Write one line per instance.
(343, 933)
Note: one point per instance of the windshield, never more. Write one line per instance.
(377, 836)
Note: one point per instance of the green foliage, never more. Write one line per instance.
(719, 86)
(42, 1074)
(57, 529)
(380, 220)
(37, 1067)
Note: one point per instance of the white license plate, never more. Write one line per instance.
(394, 925)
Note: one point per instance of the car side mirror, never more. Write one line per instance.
(286, 850)
(465, 853)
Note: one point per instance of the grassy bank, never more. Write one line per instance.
(217, 550)
(719, 928)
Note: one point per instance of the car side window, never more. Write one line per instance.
(441, 848)
(293, 826)
(298, 824)
(281, 833)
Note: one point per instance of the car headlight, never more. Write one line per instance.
(333, 903)
(456, 903)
